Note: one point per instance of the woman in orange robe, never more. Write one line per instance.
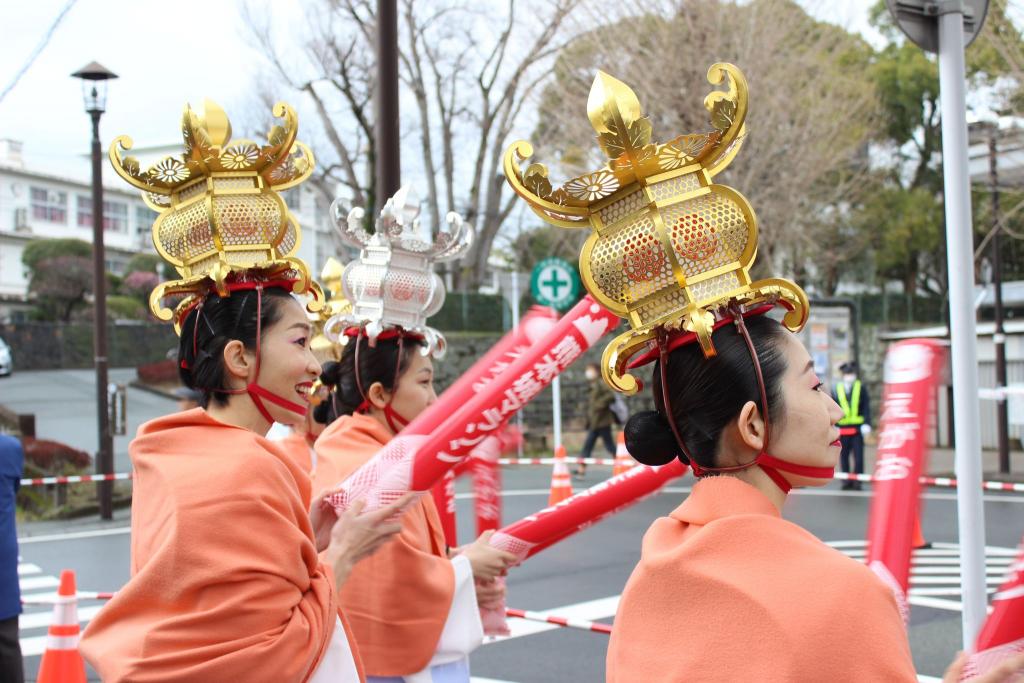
(726, 589)
(226, 580)
(413, 606)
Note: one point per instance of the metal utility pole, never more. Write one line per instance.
(998, 335)
(946, 28)
(386, 128)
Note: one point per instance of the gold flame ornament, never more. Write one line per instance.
(670, 248)
(221, 219)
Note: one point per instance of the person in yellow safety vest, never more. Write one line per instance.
(856, 422)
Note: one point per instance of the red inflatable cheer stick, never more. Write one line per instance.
(542, 529)
(1002, 634)
(533, 326)
(450, 429)
(911, 374)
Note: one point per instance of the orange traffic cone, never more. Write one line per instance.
(61, 661)
(919, 541)
(623, 460)
(561, 485)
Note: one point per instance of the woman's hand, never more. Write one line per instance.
(1011, 670)
(487, 561)
(356, 535)
(490, 594)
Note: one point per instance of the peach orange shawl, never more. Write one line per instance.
(398, 599)
(226, 584)
(727, 590)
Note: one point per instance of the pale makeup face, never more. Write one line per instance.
(413, 393)
(808, 434)
(288, 367)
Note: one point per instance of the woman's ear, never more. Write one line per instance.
(238, 361)
(378, 396)
(751, 426)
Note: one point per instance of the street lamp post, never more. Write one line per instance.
(94, 93)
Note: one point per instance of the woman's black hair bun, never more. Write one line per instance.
(649, 439)
(330, 373)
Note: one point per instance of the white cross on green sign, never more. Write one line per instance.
(554, 283)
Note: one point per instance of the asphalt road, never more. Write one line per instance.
(582, 576)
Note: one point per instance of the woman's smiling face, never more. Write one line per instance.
(288, 367)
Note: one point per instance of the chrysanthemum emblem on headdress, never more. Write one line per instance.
(670, 249)
(221, 219)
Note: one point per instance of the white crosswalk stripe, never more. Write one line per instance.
(935, 573)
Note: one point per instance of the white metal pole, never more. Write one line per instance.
(963, 329)
(515, 326)
(556, 410)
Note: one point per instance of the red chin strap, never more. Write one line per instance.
(768, 463)
(255, 391)
(395, 421)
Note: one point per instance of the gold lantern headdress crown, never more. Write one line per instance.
(222, 223)
(670, 249)
(392, 284)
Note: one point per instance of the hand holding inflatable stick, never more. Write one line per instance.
(546, 527)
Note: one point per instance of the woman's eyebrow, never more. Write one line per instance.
(305, 327)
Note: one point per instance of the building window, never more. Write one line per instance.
(115, 214)
(84, 211)
(48, 205)
(292, 198)
(115, 217)
(144, 218)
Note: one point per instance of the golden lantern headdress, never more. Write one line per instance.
(392, 284)
(671, 249)
(336, 305)
(222, 223)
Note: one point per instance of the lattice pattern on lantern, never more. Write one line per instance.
(220, 215)
(670, 248)
(392, 284)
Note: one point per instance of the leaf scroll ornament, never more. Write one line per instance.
(634, 140)
(723, 113)
(536, 180)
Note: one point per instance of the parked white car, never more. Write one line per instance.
(6, 361)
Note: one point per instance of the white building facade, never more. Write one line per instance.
(37, 204)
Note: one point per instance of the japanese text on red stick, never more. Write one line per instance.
(522, 391)
(900, 426)
(500, 366)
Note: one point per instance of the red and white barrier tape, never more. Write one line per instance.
(551, 461)
(54, 598)
(75, 479)
(594, 626)
(941, 482)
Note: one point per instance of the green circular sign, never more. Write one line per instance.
(554, 283)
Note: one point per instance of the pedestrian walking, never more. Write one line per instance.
(599, 416)
(12, 463)
(855, 423)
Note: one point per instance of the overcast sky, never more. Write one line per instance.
(166, 54)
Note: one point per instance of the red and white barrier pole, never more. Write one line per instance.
(449, 430)
(911, 373)
(594, 626)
